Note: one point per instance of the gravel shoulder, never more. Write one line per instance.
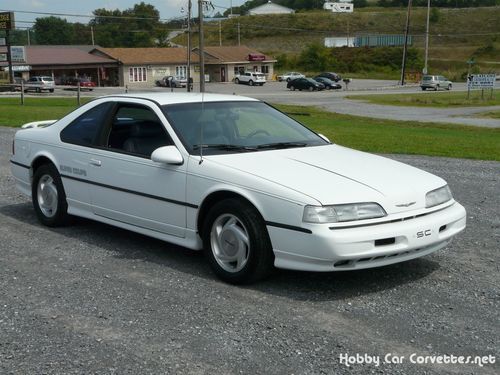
(90, 298)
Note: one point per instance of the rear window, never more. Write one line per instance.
(427, 78)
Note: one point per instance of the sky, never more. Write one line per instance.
(168, 8)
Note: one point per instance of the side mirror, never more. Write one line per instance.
(167, 155)
(324, 137)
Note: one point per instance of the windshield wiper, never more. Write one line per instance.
(226, 147)
(279, 145)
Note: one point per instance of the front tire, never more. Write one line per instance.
(292, 87)
(236, 242)
(236, 80)
(449, 87)
(250, 83)
(48, 196)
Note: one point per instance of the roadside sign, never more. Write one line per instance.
(7, 21)
(481, 81)
(18, 54)
(2, 42)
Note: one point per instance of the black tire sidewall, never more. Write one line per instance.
(261, 258)
(61, 216)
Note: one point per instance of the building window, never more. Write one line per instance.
(137, 74)
(239, 70)
(181, 71)
(265, 69)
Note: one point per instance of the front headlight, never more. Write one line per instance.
(342, 212)
(438, 196)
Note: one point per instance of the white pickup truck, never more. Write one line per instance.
(251, 78)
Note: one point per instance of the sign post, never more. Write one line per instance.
(481, 82)
(7, 23)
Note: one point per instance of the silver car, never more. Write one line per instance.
(39, 84)
(435, 83)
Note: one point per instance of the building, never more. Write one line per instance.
(135, 67)
(61, 62)
(141, 67)
(222, 63)
(341, 6)
(270, 8)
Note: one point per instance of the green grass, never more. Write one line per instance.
(12, 113)
(433, 99)
(373, 135)
(401, 137)
(492, 114)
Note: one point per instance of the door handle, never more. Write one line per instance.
(95, 162)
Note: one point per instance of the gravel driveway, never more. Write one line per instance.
(90, 298)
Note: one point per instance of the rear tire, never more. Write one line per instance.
(48, 196)
(236, 242)
(449, 87)
(292, 87)
(311, 88)
(250, 83)
(423, 88)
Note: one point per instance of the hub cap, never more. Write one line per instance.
(47, 196)
(230, 243)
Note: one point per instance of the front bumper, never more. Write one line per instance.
(337, 249)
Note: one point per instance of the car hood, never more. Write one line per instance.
(333, 174)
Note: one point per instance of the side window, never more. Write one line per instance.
(84, 130)
(137, 130)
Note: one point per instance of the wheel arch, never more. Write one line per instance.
(216, 196)
(40, 160)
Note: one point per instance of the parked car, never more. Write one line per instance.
(39, 84)
(235, 177)
(251, 78)
(305, 84)
(85, 83)
(435, 83)
(329, 84)
(331, 76)
(171, 81)
(290, 76)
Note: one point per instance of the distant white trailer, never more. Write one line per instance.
(340, 6)
(331, 42)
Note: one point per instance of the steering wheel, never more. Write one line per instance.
(258, 131)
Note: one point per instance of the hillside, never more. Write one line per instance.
(456, 34)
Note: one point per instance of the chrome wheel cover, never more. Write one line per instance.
(230, 243)
(47, 197)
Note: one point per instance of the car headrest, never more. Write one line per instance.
(146, 129)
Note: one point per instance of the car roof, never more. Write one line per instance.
(179, 98)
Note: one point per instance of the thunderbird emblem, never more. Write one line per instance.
(406, 204)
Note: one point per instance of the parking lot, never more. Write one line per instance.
(90, 298)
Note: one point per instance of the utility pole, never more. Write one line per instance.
(28, 32)
(9, 55)
(231, 7)
(220, 33)
(427, 37)
(201, 46)
(405, 47)
(92, 34)
(188, 73)
(239, 34)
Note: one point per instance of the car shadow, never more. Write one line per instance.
(301, 286)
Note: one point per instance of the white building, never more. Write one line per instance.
(270, 8)
(341, 6)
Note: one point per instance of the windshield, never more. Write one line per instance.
(239, 126)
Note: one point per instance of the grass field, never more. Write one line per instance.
(373, 135)
(433, 99)
(401, 137)
(34, 109)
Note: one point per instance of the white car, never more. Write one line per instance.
(39, 84)
(235, 177)
(290, 76)
(251, 78)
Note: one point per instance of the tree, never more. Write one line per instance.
(53, 30)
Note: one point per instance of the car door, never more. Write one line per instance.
(128, 186)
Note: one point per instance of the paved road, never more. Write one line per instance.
(89, 298)
(335, 101)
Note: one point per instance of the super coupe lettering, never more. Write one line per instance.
(235, 177)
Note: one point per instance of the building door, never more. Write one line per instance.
(223, 74)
